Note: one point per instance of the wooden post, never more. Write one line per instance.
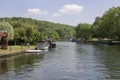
(21, 47)
(10, 48)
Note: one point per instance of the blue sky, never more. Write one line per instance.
(71, 12)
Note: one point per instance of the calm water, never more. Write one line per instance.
(69, 61)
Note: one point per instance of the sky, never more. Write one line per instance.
(71, 12)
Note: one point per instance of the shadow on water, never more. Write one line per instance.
(18, 63)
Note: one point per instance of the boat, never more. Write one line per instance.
(44, 48)
(53, 45)
(41, 48)
(33, 51)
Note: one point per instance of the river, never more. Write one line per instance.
(69, 61)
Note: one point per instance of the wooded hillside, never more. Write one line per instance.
(32, 30)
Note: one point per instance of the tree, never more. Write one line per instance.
(109, 24)
(26, 29)
(29, 34)
(84, 31)
(5, 26)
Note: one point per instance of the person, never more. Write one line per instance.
(28, 45)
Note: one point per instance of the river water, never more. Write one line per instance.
(69, 61)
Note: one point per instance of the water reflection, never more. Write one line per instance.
(89, 63)
(69, 61)
(3, 66)
(110, 56)
(19, 63)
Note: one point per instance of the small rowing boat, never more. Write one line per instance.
(33, 51)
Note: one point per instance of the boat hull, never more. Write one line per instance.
(33, 51)
(52, 46)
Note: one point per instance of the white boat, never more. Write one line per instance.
(42, 48)
(33, 51)
(46, 47)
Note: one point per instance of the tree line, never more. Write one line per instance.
(105, 27)
(31, 30)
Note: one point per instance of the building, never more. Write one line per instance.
(3, 40)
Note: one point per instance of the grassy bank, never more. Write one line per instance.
(14, 49)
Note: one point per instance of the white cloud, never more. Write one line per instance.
(71, 9)
(57, 14)
(36, 11)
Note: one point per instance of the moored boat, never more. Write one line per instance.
(33, 51)
(52, 45)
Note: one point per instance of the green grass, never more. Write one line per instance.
(13, 49)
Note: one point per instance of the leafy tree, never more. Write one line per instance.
(84, 31)
(27, 29)
(29, 34)
(109, 24)
(5, 26)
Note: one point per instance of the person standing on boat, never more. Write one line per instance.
(28, 45)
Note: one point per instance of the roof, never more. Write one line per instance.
(3, 34)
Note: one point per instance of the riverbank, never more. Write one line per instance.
(109, 42)
(14, 50)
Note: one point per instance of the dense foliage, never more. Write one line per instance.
(107, 26)
(31, 30)
(5, 26)
(83, 31)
